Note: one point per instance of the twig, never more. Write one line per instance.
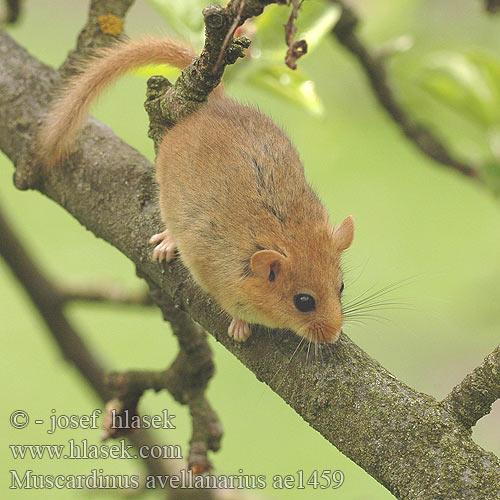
(421, 137)
(192, 371)
(46, 298)
(295, 49)
(472, 398)
(186, 380)
(48, 301)
(229, 36)
(109, 293)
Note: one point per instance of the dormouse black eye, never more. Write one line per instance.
(341, 288)
(304, 302)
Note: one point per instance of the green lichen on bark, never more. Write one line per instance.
(472, 398)
(157, 86)
(200, 78)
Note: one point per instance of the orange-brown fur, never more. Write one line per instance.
(231, 188)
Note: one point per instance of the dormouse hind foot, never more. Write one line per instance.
(239, 330)
(165, 248)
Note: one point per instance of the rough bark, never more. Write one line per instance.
(472, 398)
(409, 442)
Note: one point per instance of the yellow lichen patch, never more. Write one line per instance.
(110, 24)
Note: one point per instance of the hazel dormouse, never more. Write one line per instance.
(233, 198)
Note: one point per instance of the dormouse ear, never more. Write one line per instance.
(267, 264)
(344, 234)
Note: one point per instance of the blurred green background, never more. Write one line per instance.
(414, 219)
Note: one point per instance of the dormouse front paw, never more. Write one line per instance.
(165, 248)
(239, 330)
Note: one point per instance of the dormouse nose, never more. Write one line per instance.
(332, 334)
(323, 332)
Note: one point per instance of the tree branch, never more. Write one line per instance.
(296, 49)
(472, 398)
(204, 74)
(47, 300)
(374, 68)
(103, 293)
(186, 380)
(404, 439)
(11, 12)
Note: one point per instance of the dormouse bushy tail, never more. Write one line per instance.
(69, 110)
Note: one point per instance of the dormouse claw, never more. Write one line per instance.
(165, 248)
(239, 330)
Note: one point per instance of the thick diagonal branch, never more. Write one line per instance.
(404, 439)
(472, 398)
(374, 68)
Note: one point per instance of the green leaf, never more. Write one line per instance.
(159, 69)
(266, 68)
(467, 83)
(489, 65)
(290, 85)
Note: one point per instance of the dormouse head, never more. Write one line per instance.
(300, 288)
